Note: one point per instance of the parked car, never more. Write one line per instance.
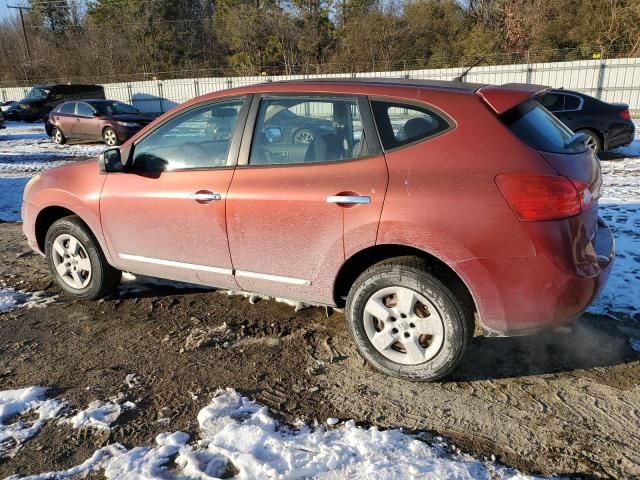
(480, 215)
(4, 106)
(1, 120)
(41, 99)
(100, 120)
(608, 125)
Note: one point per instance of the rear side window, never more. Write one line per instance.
(68, 108)
(401, 124)
(539, 129)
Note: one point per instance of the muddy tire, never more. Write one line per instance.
(406, 322)
(77, 262)
(57, 136)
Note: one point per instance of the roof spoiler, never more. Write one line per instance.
(503, 97)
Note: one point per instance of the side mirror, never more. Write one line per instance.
(110, 161)
(272, 135)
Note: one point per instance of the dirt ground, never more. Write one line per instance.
(550, 404)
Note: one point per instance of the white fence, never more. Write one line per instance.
(616, 80)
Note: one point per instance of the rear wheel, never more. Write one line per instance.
(406, 322)
(57, 136)
(76, 261)
(593, 140)
(110, 137)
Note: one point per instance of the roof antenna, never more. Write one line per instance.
(460, 78)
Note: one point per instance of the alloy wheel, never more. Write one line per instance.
(110, 137)
(57, 136)
(71, 261)
(303, 136)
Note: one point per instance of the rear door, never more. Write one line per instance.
(65, 118)
(298, 204)
(165, 216)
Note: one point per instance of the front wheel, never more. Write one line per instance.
(76, 260)
(110, 137)
(406, 322)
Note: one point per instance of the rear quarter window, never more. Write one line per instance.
(540, 129)
(401, 124)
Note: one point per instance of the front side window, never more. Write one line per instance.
(37, 92)
(68, 108)
(85, 110)
(294, 130)
(401, 124)
(199, 138)
(539, 129)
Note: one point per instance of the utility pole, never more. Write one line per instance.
(24, 31)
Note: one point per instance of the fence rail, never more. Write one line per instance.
(614, 80)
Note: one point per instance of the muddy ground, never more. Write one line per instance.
(549, 404)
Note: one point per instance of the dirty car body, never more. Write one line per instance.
(427, 212)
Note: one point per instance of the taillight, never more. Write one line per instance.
(625, 115)
(536, 197)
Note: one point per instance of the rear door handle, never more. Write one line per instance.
(349, 199)
(203, 197)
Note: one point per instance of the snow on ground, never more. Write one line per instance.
(10, 299)
(14, 431)
(26, 150)
(98, 414)
(237, 433)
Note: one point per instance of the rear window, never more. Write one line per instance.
(539, 129)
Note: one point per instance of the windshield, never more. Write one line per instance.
(37, 92)
(113, 108)
(538, 128)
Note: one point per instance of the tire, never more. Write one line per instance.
(79, 268)
(304, 136)
(594, 141)
(57, 136)
(425, 341)
(110, 137)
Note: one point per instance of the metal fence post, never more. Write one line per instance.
(600, 85)
(160, 96)
(129, 90)
(196, 87)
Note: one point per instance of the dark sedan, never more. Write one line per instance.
(101, 120)
(608, 125)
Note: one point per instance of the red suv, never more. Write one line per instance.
(428, 211)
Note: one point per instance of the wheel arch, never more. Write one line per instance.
(47, 217)
(367, 257)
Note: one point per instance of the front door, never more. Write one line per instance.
(165, 216)
(293, 196)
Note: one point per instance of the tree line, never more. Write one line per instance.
(127, 40)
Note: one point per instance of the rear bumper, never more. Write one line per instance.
(620, 134)
(521, 296)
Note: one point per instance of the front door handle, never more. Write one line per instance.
(204, 196)
(349, 199)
